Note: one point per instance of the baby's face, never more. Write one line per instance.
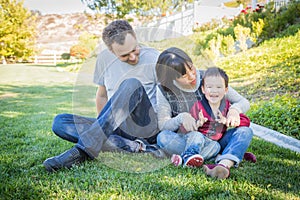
(214, 89)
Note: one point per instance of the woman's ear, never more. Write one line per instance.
(202, 89)
(226, 90)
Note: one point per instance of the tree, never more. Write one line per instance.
(88, 40)
(78, 51)
(17, 30)
(120, 8)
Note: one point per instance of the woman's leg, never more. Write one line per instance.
(171, 142)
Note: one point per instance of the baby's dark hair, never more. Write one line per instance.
(215, 71)
(170, 65)
(116, 31)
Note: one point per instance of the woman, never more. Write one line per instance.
(179, 89)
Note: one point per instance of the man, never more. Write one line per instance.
(125, 101)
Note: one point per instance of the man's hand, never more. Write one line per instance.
(233, 118)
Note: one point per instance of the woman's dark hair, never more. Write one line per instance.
(170, 65)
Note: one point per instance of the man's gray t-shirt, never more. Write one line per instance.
(111, 72)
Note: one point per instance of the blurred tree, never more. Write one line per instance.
(79, 51)
(88, 40)
(17, 30)
(120, 8)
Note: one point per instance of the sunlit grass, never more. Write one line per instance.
(26, 139)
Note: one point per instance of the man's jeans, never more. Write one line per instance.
(69, 126)
(175, 143)
(128, 113)
(234, 143)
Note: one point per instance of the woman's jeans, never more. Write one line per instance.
(176, 143)
(234, 143)
(126, 116)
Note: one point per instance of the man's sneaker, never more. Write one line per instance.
(191, 157)
(217, 170)
(176, 160)
(153, 149)
(248, 156)
(194, 161)
(65, 160)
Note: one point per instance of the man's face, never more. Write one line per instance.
(128, 52)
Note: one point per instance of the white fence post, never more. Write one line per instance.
(35, 59)
(54, 58)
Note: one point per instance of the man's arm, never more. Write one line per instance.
(101, 98)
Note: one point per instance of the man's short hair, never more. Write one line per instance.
(116, 31)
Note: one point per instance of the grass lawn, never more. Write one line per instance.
(30, 97)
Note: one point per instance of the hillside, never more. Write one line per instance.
(60, 32)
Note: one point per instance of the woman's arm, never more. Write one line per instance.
(164, 114)
(237, 101)
(239, 105)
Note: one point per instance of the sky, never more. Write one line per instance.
(55, 6)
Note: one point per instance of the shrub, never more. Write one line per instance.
(280, 113)
(227, 45)
(79, 51)
(65, 56)
(242, 34)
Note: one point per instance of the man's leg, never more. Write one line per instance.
(69, 127)
(129, 109)
(124, 110)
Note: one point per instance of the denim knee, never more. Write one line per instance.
(162, 139)
(246, 131)
(130, 84)
(57, 123)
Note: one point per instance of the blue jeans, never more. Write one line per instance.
(128, 113)
(234, 144)
(176, 143)
(69, 126)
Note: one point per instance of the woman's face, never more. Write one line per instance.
(189, 79)
(214, 89)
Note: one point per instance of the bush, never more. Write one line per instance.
(227, 45)
(79, 51)
(242, 34)
(280, 113)
(65, 56)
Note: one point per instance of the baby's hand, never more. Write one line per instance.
(220, 118)
(201, 120)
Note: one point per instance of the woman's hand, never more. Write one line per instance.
(233, 118)
(201, 120)
(188, 122)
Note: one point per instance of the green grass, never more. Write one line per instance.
(268, 75)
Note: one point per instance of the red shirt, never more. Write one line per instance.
(211, 128)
